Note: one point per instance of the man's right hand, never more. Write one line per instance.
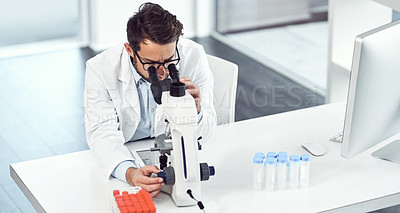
(141, 177)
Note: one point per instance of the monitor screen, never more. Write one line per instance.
(373, 102)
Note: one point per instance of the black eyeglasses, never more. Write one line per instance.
(157, 65)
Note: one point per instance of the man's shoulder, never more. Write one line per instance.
(107, 64)
(109, 56)
(188, 44)
(188, 48)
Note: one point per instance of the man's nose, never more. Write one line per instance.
(161, 71)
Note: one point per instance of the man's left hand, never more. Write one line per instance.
(193, 90)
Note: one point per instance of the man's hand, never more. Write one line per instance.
(141, 177)
(193, 90)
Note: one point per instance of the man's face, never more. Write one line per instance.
(151, 52)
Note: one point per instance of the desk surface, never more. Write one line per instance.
(75, 183)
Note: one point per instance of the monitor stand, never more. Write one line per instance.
(390, 152)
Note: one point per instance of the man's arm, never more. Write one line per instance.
(103, 135)
(127, 171)
(201, 88)
(106, 139)
(141, 177)
(193, 90)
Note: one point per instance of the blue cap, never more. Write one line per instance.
(282, 159)
(271, 154)
(283, 154)
(270, 160)
(260, 154)
(305, 157)
(257, 160)
(294, 158)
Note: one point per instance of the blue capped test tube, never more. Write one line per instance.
(294, 171)
(272, 154)
(281, 169)
(257, 172)
(282, 154)
(270, 167)
(260, 154)
(304, 170)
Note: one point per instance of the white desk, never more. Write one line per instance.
(361, 184)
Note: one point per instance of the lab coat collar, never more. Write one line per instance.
(135, 74)
(129, 89)
(125, 74)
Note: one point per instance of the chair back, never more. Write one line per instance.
(225, 83)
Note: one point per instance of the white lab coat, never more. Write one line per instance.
(112, 110)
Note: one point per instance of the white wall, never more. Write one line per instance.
(108, 19)
(347, 19)
(237, 15)
(24, 21)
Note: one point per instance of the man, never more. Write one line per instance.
(119, 105)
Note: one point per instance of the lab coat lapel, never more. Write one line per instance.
(129, 90)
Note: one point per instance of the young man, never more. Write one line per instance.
(119, 105)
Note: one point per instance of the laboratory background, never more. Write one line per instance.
(284, 49)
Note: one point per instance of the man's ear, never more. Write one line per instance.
(128, 49)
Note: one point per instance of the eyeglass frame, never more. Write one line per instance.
(159, 64)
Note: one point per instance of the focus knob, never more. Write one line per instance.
(168, 175)
(206, 171)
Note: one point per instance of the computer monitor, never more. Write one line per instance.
(373, 102)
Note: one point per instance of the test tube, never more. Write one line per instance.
(257, 172)
(260, 154)
(304, 170)
(282, 154)
(271, 154)
(281, 172)
(270, 165)
(294, 171)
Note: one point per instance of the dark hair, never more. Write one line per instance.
(154, 23)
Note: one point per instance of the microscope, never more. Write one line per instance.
(178, 146)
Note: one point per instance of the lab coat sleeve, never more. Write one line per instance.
(103, 135)
(204, 79)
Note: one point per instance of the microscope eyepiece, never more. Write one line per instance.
(173, 72)
(153, 74)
